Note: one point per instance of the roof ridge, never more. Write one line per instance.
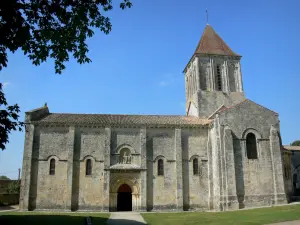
(263, 107)
(217, 110)
(115, 119)
(233, 106)
(110, 114)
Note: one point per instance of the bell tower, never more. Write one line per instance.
(213, 76)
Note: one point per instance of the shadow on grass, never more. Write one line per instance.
(6, 207)
(123, 222)
(50, 219)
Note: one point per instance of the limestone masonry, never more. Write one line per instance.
(224, 154)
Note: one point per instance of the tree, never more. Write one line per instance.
(2, 177)
(45, 29)
(296, 143)
(8, 119)
(13, 187)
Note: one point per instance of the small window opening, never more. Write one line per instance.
(195, 167)
(160, 167)
(52, 167)
(88, 167)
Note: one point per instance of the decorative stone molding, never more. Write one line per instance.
(193, 157)
(88, 157)
(53, 157)
(159, 157)
(251, 130)
(118, 180)
(171, 160)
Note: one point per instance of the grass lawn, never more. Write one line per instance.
(46, 218)
(242, 217)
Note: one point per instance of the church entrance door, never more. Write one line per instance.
(124, 201)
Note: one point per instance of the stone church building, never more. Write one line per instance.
(225, 153)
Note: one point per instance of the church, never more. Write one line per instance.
(224, 154)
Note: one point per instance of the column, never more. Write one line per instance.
(230, 177)
(197, 74)
(106, 172)
(26, 168)
(240, 80)
(226, 77)
(222, 168)
(143, 184)
(187, 87)
(178, 151)
(195, 78)
(215, 142)
(207, 75)
(70, 149)
(113, 199)
(211, 75)
(193, 81)
(276, 157)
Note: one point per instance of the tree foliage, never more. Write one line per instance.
(2, 177)
(9, 119)
(296, 143)
(48, 29)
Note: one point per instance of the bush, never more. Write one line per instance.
(13, 187)
(9, 199)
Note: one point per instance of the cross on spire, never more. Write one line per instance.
(206, 16)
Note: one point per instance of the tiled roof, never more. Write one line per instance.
(212, 43)
(114, 119)
(289, 147)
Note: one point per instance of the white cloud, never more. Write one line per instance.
(168, 79)
(163, 83)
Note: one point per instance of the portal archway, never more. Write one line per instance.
(124, 198)
(119, 179)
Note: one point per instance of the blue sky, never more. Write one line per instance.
(137, 68)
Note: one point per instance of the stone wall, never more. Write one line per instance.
(71, 189)
(51, 189)
(194, 142)
(164, 187)
(227, 179)
(91, 145)
(258, 181)
(201, 84)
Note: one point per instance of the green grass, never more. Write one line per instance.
(242, 217)
(46, 218)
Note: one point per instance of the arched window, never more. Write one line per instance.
(88, 167)
(195, 167)
(160, 167)
(52, 167)
(251, 146)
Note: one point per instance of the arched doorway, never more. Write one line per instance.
(124, 199)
